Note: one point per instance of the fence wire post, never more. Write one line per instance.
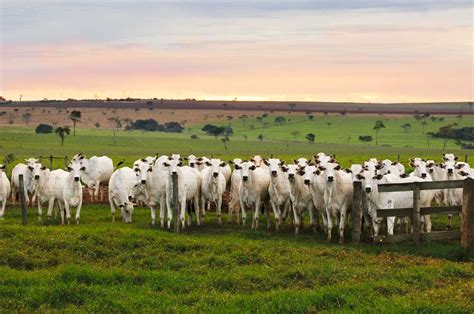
(51, 163)
(65, 161)
(357, 208)
(416, 213)
(398, 157)
(467, 214)
(177, 227)
(22, 200)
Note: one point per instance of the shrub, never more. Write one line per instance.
(44, 129)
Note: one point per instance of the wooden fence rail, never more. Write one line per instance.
(466, 233)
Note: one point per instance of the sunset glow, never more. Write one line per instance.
(399, 51)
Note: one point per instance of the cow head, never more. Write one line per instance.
(141, 169)
(308, 174)
(173, 165)
(274, 165)
(36, 170)
(215, 165)
(330, 170)
(245, 169)
(369, 181)
(75, 170)
(126, 209)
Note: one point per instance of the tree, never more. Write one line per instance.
(97, 125)
(27, 117)
(423, 124)
(44, 129)
(445, 132)
(377, 127)
(295, 134)
(311, 117)
(329, 124)
(406, 127)
(225, 140)
(459, 116)
(8, 159)
(260, 137)
(62, 132)
(310, 137)
(429, 136)
(365, 138)
(75, 116)
(116, 125)
(280, 120)
(243, 118)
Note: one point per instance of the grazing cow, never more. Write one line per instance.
(189, 182)
(26, 172)
(337, 196)
(121, 184)
(301, 198)
(253, 191)
(35, 172)
(234, 200)
(213, 185)
(279, 191)
(375, 200)
(4, 190)
(97, 170)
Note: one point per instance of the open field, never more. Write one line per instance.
(99, 266)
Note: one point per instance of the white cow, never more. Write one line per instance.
(213, 185)
(387, 166)
(49, 188)
(450, 157)
(67, 189)
(4, 190)
(25, 170)
(97, 170)
(279, 191)
(188, 189)
(121, 184)
(253, 191)
(337, 196)
(322, 158)
(316, 184)
(234, 200)
(301, 198)
(301, 162)
(452, 197)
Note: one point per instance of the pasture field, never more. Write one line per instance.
(104, 267)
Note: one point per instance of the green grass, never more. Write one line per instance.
(99, 266)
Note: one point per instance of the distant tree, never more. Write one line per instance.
(377, 127)
(97, 125)
(365, 138)
(280, 120)
(27, 117)
(149, 103)
(194, 137)
(310, 137)
(446, 133)
(44, 129)
(75, 116)
(291, 106)
(8, 159)
(62, 132)
(329, 124)
(243, 117)
(429, 136)
(406, 127)
(173, 127)
(116, 124)
(260, 137)
(459, 117)
(311, 117)
(295, 134)
(225, 140)
(264, 115)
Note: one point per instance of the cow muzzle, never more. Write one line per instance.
(215, 174)
(450, 171)
(274, 173)
(37, 177)
(291, 176)
(143, 181)
(331, 179)
(306, 181)
(368, 189)
(245, 178)
(76, 179)
(423, 175)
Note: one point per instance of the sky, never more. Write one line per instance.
(328, 50)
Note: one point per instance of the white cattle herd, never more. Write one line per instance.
(318, 186)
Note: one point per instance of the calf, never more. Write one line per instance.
(213, 185)
(279, 191)
(253, 191)
(4, 190)
(121, 184)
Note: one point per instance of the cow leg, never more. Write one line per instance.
(244, 214)
(78, 212)
(267, 216)
(112, 208)
(170, 210)
(342, 223)
(183, 212)
(198, 214)
(219, 209)
(40, 210)
(256, 214)
(91, 194)
(2, 209)
(67, 210)
(276, 212)
(162, 211)
(296, 217)
(96, 189)
(390, 225)
(329, 221)
(427, 219)
(13, 193)
(50, 208)
(153, 214)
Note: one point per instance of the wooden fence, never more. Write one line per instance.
(466, 210)
(51, 158)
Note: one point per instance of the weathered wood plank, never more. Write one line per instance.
(357, 212)
(394, 212)
(442, 235)
(435, 185)
(416, 217)
(396, 238)
(440, 210)
(467, 215)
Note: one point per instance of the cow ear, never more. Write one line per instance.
(237, 167)
(295, 161)
(266, 162)
(143, 159)
(208, 163)
(230, 162)
(284, 168)
(252, 160)
(31, 168)
(81, 158)
(253, 167)
(443, 166)
(360, 177)
(199, 159)
(185, 158)
(318, 172)
(459, 166)
(180, 164)
(378, 177)
(223, 164)
(282, 163)
(404, 175)
(150, 169)
(170, 158)
(412, 164)
(321, 168)
(301, 173)
(348, 170)
(317, 161)
(378, 167)
(394, 163)
(82, 168)
(166, 164)
(338, 167)
(69, 168)
(456, 157)
(43, 168)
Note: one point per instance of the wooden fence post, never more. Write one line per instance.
(22, 200)
(465, 158)
(357, 211)
(51, 163)
(398, 157)
(177, 226)
(467, 214)
(65, 161)
(416, 213)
